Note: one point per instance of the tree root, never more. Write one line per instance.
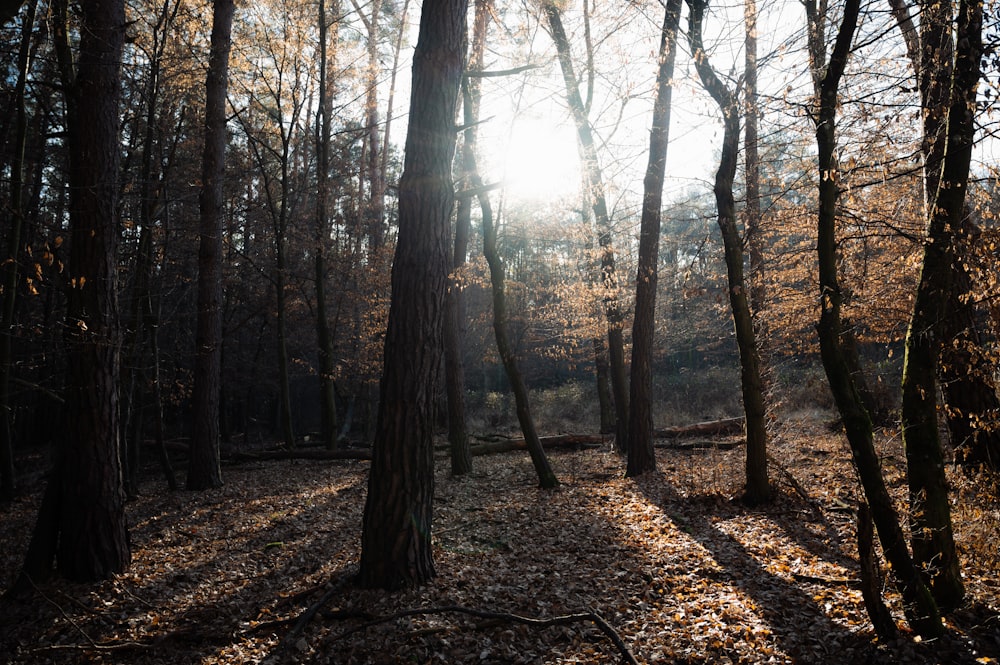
(506, 617)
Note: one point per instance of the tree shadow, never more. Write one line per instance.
(198, 583)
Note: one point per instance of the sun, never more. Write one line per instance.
(538, 159)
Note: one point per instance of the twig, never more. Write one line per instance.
(563, 620)
(91, 644)
(796, 485)
(303, 619)
(62, 612)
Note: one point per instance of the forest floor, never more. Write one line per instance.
(679, 569)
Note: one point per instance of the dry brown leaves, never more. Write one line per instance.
(681, 571)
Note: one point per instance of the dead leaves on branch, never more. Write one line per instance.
(672, 565)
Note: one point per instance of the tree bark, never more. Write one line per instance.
(396, 536)
(758, 489)
(203, 469)
(609, 277)
(641, 457)
(92, 533)
(919, 606)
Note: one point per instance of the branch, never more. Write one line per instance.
(501, 72)
(303, 619)
(477, 191)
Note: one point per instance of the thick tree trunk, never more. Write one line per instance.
(595, 181)
(921, 610)
(92, 532)
(641, 457)
(396, 536)
(203, 469)
(758, 489)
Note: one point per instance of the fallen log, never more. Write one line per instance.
(715, 444)
(709, 428)
(559, 441)
(297, 453)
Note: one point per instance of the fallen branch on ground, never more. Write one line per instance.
(303, 619)
(308, 454)
(559, 441)
(709, 428)
(714, 444)
(563, 620)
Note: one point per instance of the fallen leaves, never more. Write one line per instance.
(680, 571)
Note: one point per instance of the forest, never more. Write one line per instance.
(545, 331)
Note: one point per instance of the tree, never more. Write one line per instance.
(396, 536)
(595, 190)
(81, 523)
(203, 470)
(641, 457)
(758, 489)
(948, 75)
(458, 437)
(921, 610)
(324, 336)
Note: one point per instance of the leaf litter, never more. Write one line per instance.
(679, 569)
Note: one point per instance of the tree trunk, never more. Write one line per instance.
(92, 533)
(871, 578)
(374, 207)
(284, 387)
(919, 606)
(141, 320)
(324, 338)
(602, 375)
(546, 477)
(595, 181)
(756, 458)
(458, 436)
(641, 457)
(751, 157)
(203, 467)
(396, 537)
(758, 488)
(948, 95)
(10, 272)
